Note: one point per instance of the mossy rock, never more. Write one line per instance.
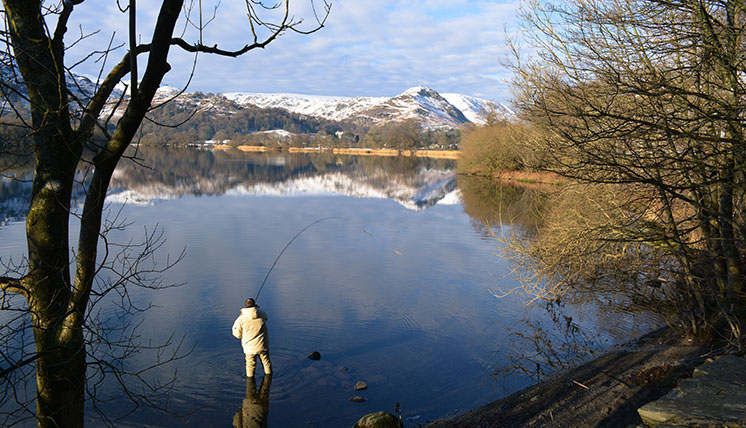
(378, 420)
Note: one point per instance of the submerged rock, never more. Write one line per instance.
(360, 385)
(378, 420)
(357, 399)
(314, 356)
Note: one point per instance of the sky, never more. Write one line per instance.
(366, 47)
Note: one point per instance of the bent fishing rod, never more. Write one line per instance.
(286, 247)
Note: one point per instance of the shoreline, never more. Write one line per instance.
(603, 392)
(354, 151)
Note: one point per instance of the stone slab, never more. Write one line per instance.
(715, 396)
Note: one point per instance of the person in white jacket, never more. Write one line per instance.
(251, 328)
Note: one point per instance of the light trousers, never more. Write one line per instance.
(251, 363)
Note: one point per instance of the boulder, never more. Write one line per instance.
(378, 420)
(360, 385)
(356, 399)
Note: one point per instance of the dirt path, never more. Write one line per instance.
(605, 392)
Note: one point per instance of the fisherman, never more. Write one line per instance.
(251, 328)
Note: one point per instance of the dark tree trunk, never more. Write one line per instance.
(56, 302)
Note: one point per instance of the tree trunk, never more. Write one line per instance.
(58, 303)
(60, 383)
(60, 369)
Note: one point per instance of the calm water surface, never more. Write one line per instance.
(393, 290)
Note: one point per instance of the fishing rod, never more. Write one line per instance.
(286, 247)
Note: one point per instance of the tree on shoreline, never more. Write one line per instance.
(643, 103)
(62, 126)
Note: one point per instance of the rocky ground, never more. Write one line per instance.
(605, 392)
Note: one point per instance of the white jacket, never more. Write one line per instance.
(251, 328)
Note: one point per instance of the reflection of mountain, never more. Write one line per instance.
(15, 194)
(414, 183)
(14, 199)
(428, 188)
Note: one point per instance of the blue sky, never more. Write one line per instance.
(367, 47)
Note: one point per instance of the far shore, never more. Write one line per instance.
(435, 154)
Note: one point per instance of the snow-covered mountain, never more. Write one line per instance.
(423, 104)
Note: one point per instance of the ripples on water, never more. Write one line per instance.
(396, 295)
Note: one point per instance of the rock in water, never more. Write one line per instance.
(378, 420)
(361, 386)
(356, 399)
(314, 356)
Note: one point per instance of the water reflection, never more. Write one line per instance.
(151, 175)
(254, 408)
(386, 296)
(492, 203)
(157, 174)
(414, 183)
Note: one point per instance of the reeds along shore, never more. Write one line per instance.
(436, 154)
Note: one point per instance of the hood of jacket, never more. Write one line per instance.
(250, 312)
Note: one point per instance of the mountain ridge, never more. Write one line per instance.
(426, 106)
(429, 107)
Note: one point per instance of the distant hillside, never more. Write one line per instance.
(196, 117)
(190, 117)
(423, 104)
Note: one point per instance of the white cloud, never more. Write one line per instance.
(366, 48)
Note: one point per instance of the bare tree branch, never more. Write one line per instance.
(57, 332)
(13, 285)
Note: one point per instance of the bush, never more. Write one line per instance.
(501, 146)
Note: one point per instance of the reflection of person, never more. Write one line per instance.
(255, 407)
(251, 328)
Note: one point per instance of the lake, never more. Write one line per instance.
(394, 286)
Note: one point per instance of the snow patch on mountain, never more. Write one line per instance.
(329, 107)
(279, 132)
(476, 109)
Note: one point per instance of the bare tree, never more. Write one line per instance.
(643, 102)
(61, 124)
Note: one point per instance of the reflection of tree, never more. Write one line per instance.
(191, 171)
(546, 347)
(492, 203)
(255, 405)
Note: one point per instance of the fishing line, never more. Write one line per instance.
(286, 247)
